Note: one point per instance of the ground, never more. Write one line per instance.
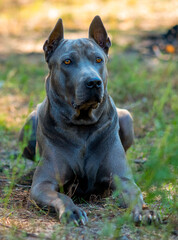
(142, 79)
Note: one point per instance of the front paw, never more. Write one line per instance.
(73, 214)
(145, 216)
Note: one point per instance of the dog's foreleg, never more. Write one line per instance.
(46, 194)
(128, 190)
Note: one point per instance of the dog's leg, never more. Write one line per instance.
(129, 191)
(27, 136)
(46, 194)
(126, 131)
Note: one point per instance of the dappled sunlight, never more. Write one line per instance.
(14, 110)
(24, 45)
(26, 24)
(40, 15)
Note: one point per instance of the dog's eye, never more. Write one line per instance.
(98, 60)
(67, 61)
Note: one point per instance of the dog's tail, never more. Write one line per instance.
(27, 136)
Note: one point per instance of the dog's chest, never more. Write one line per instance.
(85, 153)
(84, 161)
(78, 153)
(87, 165)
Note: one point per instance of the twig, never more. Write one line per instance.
(22, 232)
(136, 104)
(139, 161)
(16, 184)
(159, 54)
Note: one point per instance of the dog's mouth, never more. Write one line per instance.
(84, 109)
(91, 102)
(86, 105)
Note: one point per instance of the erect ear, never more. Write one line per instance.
(98, 32)
(53, 40)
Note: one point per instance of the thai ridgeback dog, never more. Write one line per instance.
(81, 136)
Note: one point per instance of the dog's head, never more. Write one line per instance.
(78, 72)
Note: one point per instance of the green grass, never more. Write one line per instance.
(131, 80)
(25, 75)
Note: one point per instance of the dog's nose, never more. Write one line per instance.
(91, 83)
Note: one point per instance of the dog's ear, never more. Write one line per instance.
(53, 40)
(98, 32)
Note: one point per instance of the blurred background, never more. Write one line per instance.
(26, 23)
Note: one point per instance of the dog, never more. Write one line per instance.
(81, 136)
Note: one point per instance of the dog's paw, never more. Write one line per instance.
(74, 215)
(146, 217)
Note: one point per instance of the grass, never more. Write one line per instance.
(148, 88)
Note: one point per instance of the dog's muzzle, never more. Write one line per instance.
(89, 94)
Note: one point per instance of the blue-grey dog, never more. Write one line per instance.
(81, 136)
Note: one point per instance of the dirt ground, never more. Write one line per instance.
(22, 219)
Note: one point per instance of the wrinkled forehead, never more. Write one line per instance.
(82, 46)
